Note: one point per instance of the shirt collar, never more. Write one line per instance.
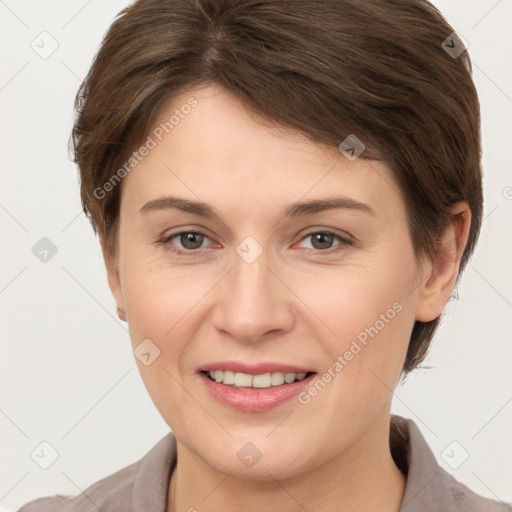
(152, 481)
(425, 485)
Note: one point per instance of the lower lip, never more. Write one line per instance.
(254, 399)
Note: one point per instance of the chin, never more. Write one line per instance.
(260, 459)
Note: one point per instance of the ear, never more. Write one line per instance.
(439, 276)
(114, 281)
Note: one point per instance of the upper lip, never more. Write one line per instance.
(253, 369)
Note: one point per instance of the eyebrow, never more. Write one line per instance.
(294, 210)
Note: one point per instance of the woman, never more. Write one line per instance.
(285, 193)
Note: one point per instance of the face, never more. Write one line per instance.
(254, 284)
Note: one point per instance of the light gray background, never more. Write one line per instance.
(68, 375)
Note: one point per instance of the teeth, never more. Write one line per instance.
(277, 379)
(245, 380)
(289, 377)
(242, 380)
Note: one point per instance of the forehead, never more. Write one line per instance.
(207, 146)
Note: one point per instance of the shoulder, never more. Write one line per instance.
(467, 500)
(429, 486)
(104, 494)
(143, 480)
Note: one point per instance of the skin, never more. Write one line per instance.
(296, 304)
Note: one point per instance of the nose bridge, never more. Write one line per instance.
(254, 301)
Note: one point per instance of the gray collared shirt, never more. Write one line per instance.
(143, 485)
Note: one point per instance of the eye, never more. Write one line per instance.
(190, 241)
(323, 240)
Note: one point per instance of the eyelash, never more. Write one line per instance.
(343, 241)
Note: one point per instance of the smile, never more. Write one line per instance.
(263, 380)
(254, 392)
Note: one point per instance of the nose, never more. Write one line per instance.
(253, 302)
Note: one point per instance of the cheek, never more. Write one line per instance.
(162, 307)
(157, 296)
(166, 306)
(367, 315)
(364, 358)
(349, 300)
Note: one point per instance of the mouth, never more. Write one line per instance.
(259, 381)
(264, 388)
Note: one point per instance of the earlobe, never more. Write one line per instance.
(439, 277)
(114, 281)
(121, 313)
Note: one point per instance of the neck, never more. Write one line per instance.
(363, 477)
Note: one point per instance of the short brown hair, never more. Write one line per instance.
(327, 68)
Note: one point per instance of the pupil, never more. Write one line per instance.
(321, 237)
(189, 238)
